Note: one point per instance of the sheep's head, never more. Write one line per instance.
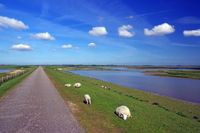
(125, 117)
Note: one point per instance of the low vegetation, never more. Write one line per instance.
(195, 74)
(150, 113)
(15, 66)
(2, 74)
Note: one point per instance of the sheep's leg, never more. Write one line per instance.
(85, 101)
(89, 101)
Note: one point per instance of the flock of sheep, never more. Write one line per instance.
(121, 111)
(11, 75)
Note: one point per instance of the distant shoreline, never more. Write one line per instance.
(195, 67)
(190, 74)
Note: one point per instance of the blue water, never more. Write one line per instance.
(5, 70)
(179, 88)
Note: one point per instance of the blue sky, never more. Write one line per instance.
(138, 32)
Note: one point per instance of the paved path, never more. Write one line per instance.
(35, 106)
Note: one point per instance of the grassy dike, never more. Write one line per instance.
(5, 87)
(151, 113)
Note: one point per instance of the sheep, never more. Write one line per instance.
(59, 69)
(87, 99)
(17, 72)
(77, 85)
(123, 112)
(105, 87)
(68, 85)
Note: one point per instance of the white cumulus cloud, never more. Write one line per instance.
(191, 32)
(67, 46)
(124, 31)
(98, 31)
(21, 47)
(91, 44)
(12, 23)
(159, 30)
(43, 36)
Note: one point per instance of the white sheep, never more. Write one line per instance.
(68, 85)
(123, 112)
(87, 99)
(77, 85)
(105, 87)
(59, 69)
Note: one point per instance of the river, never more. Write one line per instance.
(179, 88)
(5, 70)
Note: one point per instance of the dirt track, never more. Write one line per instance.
(35, 106)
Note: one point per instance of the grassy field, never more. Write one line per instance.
(11, 83)
(15, 66)
(8, 66)
(175, 73)
(2, 74)
(151, 113)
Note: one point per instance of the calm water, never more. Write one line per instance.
(184, 89)
(5, 70)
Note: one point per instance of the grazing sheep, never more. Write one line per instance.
(77, 85)
(59, 69)
(87, 99)
(68, 85)
(17, 72)
(105, 87)
(123, 112)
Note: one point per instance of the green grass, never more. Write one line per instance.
(2, 74)
(15, 66)
(176, 73)
(151, 113)
(5, 87)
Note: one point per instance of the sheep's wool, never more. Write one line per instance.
(86, 96)
(123, 110)
(67, 85)
(87, 99)
(77, 85)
